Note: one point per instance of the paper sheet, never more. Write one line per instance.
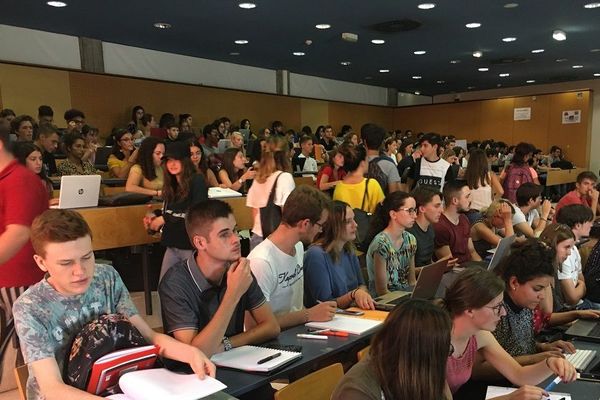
(496, 391)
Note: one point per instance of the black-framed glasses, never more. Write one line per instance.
(498, 308)
(319, 225)
(411, 210)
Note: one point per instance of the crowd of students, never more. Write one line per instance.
(403, 208)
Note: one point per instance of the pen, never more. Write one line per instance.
(552, 384)
(269, 358)
(330, 332)
(308, 336)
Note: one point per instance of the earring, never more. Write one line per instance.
(514, 288)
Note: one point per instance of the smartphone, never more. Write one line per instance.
(348, 312)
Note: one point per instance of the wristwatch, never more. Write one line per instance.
(226, 343)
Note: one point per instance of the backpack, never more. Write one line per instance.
(363, 222)
(515, 177)
(375, 172)
(591, 274)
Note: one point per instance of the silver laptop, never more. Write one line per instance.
(587, 330)
(425, 288)
(77, 191)
(503, 249)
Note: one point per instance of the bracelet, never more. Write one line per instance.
(548, 365)
(353, 294)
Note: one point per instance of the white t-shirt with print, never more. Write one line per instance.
(519, 216)
(279, 275)
(571, 267)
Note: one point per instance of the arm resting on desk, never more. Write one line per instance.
(12, 240)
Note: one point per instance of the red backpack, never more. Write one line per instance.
(515, 177)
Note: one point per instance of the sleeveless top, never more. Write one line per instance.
(482, 196)
(458, 370)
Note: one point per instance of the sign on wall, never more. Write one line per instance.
(571, 117)
(522, 114)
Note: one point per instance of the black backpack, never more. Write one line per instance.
(375, 172)
(591, 273)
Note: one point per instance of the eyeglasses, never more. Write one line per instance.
(320, 225)
(409, 210)
(497, 309)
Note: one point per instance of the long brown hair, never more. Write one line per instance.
(478, 171)
(553, 234)
(274, 158)
(333, 230)
(174, 191)
(410, 352)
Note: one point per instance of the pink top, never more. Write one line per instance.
(458, 370)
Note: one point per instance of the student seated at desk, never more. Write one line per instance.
(204, 298)
(407, 358)
(233, 174)
(452, 232)
(527, 273)
(74, 146)
(391, 254)
(303, 162)
(584, 193)
(73, 293)
(146, 175)
(531, 213)
(485, 230)
(30, 156)
(200, 162)
(428, 202)
(277, 261)
(331, 267)
(182, 189)
(475, 303)
(331, 173)
(123, 156)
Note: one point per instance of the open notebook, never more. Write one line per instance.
(255, 359)
(162, 384)
(352, 325)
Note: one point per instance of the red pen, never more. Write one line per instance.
(328, 332)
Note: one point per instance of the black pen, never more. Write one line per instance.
(271, 357)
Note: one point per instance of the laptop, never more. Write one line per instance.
(78, 191)
(503, 249)
(425, 288)
(220, 193)
(585, 330)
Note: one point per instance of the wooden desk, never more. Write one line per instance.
(304, 180)
(562, 176)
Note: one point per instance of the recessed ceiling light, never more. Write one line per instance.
(345, 63)
(417, 93)
(299, 53)
(234, 53)
(511, 5)
(509, 39)
(592, 5)
(561, 59)
(247, 6)
(559, 35)
(594, 50)
(383, 71)
(241, 41)
(577, 66)
(483, 69)
(440, 82)
(472, 25)
(477, 54)
(419, 52)
(454, 61)
(162, 25)
(378, 41)
(426, 6)
(470, 87)
(504, 75)
(597, 74)
(537, 51)
(322, 26)
(57, 4)
(416, 77)
(498, 85)
(530, 81)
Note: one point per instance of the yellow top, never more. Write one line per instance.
(352, 193)
(155, 184)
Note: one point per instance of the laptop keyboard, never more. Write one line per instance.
(581, 358)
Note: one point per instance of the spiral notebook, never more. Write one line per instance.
(252, 359)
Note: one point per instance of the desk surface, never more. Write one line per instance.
(313, 351)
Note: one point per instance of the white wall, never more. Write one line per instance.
(40, 48)
(594, 85)
(329, 89)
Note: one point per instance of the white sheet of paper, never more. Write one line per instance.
(497, 391)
